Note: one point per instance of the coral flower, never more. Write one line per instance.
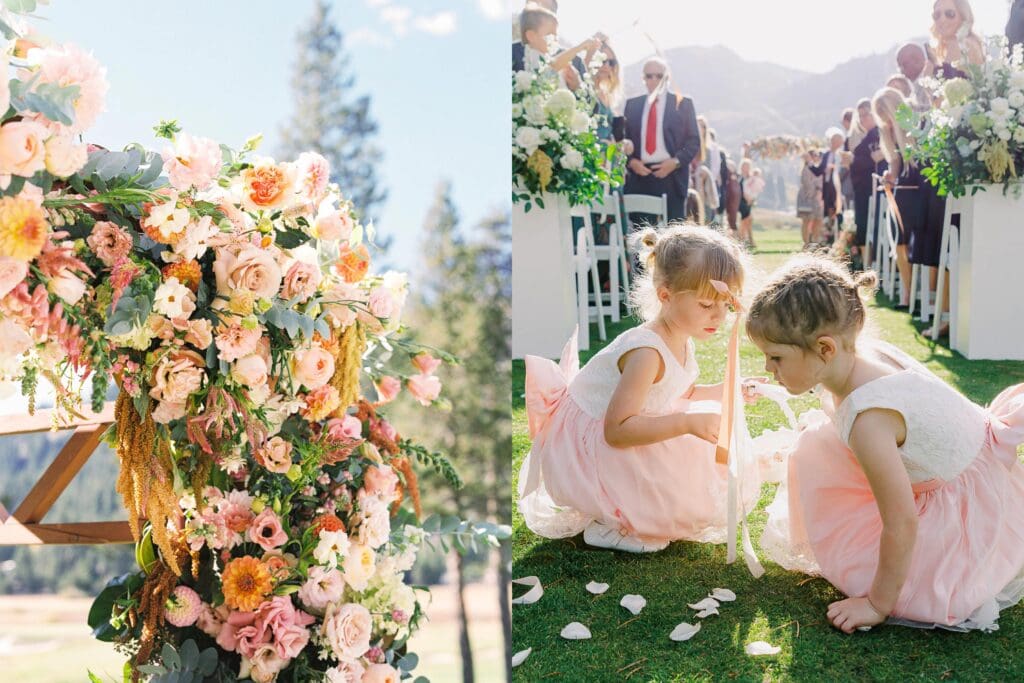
(326, 522)
(321, 403)
(352, 264)
(267, 186)
(183, 607)
(23, 228)
(189, 273)
(246, 582)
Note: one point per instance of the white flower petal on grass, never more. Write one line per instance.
(531, 596)
(723, 595)
(597, 588)
(684, 631)
(706, 603)
(575, 631)
(706, 612)
(520, 657)
(759, 647)
(634, 603)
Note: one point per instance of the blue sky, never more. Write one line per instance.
(436, 71)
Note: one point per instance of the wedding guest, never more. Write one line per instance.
(901, 83)
(844, 166)
(847, 119)
(538, 25)
(662, 126)
(751, 185)
(703, 183)
(810, 208)
(915, 63)
(903, 177)
(867, 153)
(954, 37)
(733, 194)
(694, 206)
(828, 168)
(719, 170)
(1015, 24)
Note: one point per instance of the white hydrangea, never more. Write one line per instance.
(528, 138)
(561, 104)
(523, 81)
(999, 107)
(1016, 99)
(533, 107)
(579, 122)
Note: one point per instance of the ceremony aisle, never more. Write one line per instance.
(786, 610)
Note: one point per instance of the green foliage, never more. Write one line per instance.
(185, 665)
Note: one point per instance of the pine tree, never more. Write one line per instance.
(329, 118)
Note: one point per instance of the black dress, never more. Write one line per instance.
(860, 175)
(909, 201)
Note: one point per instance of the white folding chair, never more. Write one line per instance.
(869, 239)
(586, 262)
(949, 254)
(645, 203)
(614, 253)
(920, 275)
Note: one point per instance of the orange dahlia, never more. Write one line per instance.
(321, 402)
(23, 228)
(327, 522)
(352, 264)
(246, 582)
(189, 273)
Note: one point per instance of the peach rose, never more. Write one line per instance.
(331, 224)
(63, 157)
(424, 388)
(109, 242)
(338, 302)
(200, 333)
(312, 367)
(314, 172)
(347, 630)
(177, 375)
(301, 281)
(12, 272)
(275, 455)
(346, 671)
(381, 481)
(353, 264)
(381, 673)
(236, 342)
(268, 186)
(387, 388)
(166, 411)
(22, 149)
(250, 371)
(252, 269)
(67, 286)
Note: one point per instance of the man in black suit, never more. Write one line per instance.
(1015, 24)
(829, 168)
(663, 128)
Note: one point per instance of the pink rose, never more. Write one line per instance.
(312, 367)
(424, 388)
(331, 224)
(287, 624)
(300, 281)
(192, 162)
(381, 481)
(109, 242)
(425, 363)
(387, 389)
(346, 671)
(12, 273)
(346, 629)
(63, 157)
(252, 269)
(236, 342)
(381, 673)
(200, 333)
(314, 172)
(323, 587)
(275, 455)
(22, 151)
(250, 371)
(266, 530)
(381, 303)
(238, 634)
(177, 376)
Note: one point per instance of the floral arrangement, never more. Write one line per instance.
(783, 146)
(976, 135)
(555, 147)
(231, 299)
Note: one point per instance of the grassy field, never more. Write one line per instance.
(44, 639)
(786, 609)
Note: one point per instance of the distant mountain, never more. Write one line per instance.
(743, 99)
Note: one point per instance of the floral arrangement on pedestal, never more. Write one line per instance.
(975, 136)
(555, 147)
(783, 146)
(230, 297)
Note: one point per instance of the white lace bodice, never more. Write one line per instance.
(945, 430)
(592, 388)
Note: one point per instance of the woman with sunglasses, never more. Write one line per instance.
(955, 39)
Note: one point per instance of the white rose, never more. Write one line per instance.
(1000, 107)
(579, 122)
(572, 160)
(1016, 99)
(67, 286)
(523, 81)
(548, 133)
(528, 138)
(358, 566)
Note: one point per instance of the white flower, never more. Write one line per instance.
(359, 566)
(1016, 79)
(534, 108)
(561, 103)
(167, 219)
(517, 110)
(528, 138)
(1000, 107)
(196, 240)
(572, 159)
(1003, 134)
(375, 527)
(1016, 99)
(548, 134)
(523, 81)
(579, 122)
(1018, 135)
(331, 545)
(174, 300)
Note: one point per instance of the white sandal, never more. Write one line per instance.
(601, 535)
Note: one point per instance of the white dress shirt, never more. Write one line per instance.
(660, 151)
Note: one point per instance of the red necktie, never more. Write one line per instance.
(651, 142)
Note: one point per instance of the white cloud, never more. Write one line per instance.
(440, 24)
(495, 9)
(367, 36)
(397, 17)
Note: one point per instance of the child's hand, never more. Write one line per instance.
(702, 425)
(852, 613)
(749, 388)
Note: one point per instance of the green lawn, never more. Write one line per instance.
(783, 608)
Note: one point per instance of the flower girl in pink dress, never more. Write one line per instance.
(909, 498)
(623, 449)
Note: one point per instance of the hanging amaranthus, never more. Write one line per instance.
(347, 364)
(153, 594)
(146, 479)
